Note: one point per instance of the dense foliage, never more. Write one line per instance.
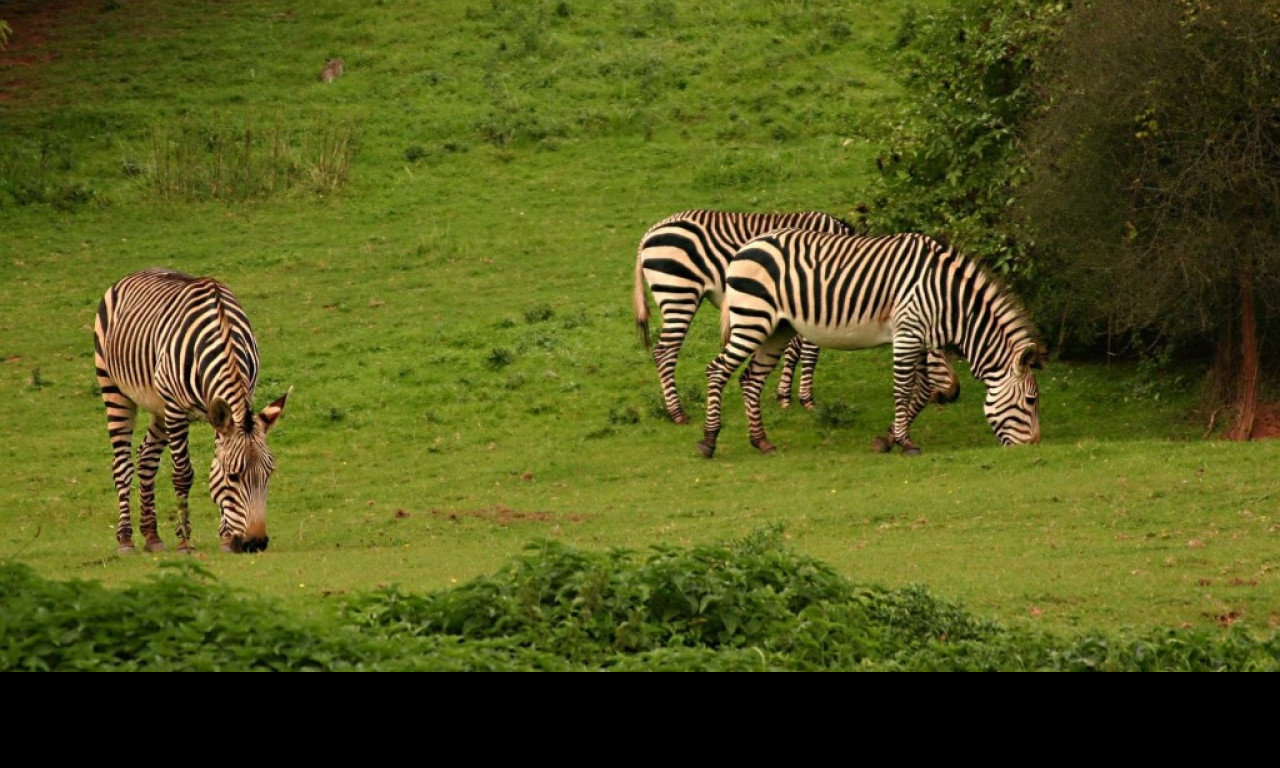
(1116, 161)
(1157, 177)
(750, 604)
(955, 154)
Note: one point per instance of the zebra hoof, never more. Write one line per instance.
(185, 548)
(155, 545)
(679, 418)
(764, 446)
(910, 450)
(881, 444)
(125, 549)
(809, 405)
(708, 450)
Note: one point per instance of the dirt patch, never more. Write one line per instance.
(28, 46)
(505, 516)
(1266, 424)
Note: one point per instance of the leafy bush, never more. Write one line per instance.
(753, 605)
(1154, 190)
(954, 156)
(748, 605)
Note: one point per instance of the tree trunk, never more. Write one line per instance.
(1247, 387)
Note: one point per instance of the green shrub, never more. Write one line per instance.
(747, 605)
(953, 157)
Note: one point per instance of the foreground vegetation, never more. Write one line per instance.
(748, 605)
(437, 253)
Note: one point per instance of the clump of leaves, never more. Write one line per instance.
(178, 622)
(953, 158)
(750, 604)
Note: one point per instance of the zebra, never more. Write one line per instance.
(683, 259)
(852, 292)
(181, 348)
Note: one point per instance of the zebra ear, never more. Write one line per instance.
(271, 414)
(1032, 356)
(220, 415)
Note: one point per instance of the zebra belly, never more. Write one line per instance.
(861, 336)
(146, 398)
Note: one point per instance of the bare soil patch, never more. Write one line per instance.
(1266, 423)
(504, 516)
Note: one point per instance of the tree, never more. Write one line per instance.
(954, 151)
(1156, 182)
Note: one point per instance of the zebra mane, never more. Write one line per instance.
(228, 341)
(1012, 306)
(845, 222)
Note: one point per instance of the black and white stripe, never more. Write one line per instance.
(943, 383)
(182, 349)
(851, 292)
(683, 259)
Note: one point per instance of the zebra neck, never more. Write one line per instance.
(235, 383)
(991, 327)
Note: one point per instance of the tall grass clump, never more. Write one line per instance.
(43, 171)
(193, 162)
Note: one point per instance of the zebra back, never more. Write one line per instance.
(828, 284)
(169, 337)
(707, 239)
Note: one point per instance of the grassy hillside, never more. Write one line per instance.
(436, 251)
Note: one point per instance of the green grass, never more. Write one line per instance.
(456, 317)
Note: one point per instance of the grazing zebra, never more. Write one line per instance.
(683, 259)
(181, 348)
(851, 292)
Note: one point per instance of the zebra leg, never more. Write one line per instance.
(753, 378)
(148, 463)
(718, 372)
(910, 393)
(808, 364)
(121, 414)
(936, 382)
(677, 313)
(183, 476)
(790, 356)
(944, 385)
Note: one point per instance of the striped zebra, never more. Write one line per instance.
(181, 348)
(683, 259)
(851, 292)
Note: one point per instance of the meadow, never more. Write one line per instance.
(436, 251)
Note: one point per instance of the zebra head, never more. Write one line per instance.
(1012, 404)
(242, 466)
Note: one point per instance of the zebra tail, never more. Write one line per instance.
(641, 303)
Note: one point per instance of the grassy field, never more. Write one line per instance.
(436, 251)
